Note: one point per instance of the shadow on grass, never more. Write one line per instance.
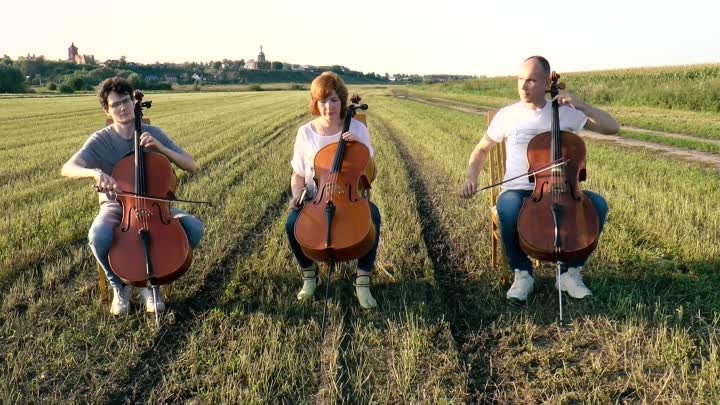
(148, 371)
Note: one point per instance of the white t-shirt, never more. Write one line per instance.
(517, 125)
(308, 143)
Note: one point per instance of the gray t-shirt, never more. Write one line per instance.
(106, 147)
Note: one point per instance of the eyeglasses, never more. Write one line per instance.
(125, 101)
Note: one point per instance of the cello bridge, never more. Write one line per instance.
(334, 189)
(143, 214)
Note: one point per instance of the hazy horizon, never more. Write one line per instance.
(421, 37)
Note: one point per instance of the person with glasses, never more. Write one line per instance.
(96, 160)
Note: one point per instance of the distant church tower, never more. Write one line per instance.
(72, 52)
(261, 56)
(75, 57)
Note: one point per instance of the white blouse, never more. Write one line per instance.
(308, 143)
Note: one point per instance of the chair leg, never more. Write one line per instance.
(504, 261)
(102, 283)
(493, 251)
(505, 274)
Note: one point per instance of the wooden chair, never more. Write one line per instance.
(496, 168)
(372, 169)
(362, 117)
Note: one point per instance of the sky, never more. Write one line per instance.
(477, 37)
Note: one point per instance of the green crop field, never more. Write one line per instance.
(443, 332)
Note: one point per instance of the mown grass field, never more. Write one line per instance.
(443, 332)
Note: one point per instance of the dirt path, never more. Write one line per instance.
(692, 156)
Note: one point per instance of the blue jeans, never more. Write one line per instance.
(103, 227)
(508, 208)
(365, 263)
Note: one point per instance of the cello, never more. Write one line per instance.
(558, 222)
(149, 247)
(336, 225)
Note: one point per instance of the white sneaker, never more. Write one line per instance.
(121, 300)
(146, 297)
(522, 286)
(362, 291)
(572, 283)
(311, 281)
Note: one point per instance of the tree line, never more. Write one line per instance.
(17, 76)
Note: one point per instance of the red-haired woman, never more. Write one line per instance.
(329, 97)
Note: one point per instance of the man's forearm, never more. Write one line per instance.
(602, 121)
(183, 161)
(475, 164)
(73, 170)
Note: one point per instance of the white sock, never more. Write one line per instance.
(310, 283)
(362, 290)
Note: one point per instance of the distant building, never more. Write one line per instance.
(261, 56)
(299, 68)
(75, 57)
(260, 63)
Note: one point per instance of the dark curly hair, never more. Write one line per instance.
(119, 85)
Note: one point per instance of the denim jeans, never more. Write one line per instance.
(508, 209)
(365, 263)
(100, 235)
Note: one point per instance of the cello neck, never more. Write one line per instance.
(340, 153)
(139, 161)
(555, 146)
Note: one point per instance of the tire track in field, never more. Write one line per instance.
(190, 312)
(214, 158)
(276, 131)
(39, 169)
(332, 375)
(219, 120)
(687, 155)
(452, 281)
(344, 331)
(204, 160)
(344, 365)
(210, 268)
(8, 278)
(59, 114)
